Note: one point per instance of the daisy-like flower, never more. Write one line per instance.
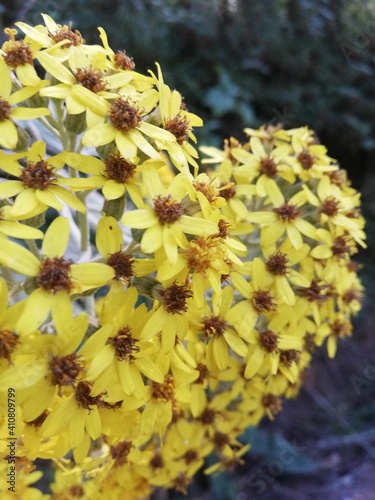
(260, 299)
(340, 327)
(9, 112)
(56, 278)
(311, 160)
(81, 89)
(266, 167)
(38, 186)
(285, 218)
(177, 120)
(218, 333)
(59, 40)
(166, 224)
(128, 130)
(53, 367)
(115, 353)
(169, 314)
(115, 176)
(19, 56)
(77, 415)
(109, 241)
(336, 209)
(264, 356)
(280, 264)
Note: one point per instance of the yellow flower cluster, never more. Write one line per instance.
(144, 334)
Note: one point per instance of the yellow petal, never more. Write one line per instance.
(56, 239)
(109, 238)
(55, 68)
(18, 258)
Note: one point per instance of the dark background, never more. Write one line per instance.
(242, 63)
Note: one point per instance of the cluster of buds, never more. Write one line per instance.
(149, 313)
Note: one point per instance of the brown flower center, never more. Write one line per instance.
(209, 191)
(165, 391)
(330, 206)
(66, 33)
(5, 109)
(220, 439)
(268, 167)
(179, 127)
(263, 301)
(122, 263)
(277, 264)
(227, 192)
(91, 79)
(287, 211)
(119, 169)
(289, 356)
(157, 461)
(54, 275)
(167, 210)
(204, 372)
(341, 329)
(214, 326)
(174, 298)
(65, 370)
(39, 175)
(122, 61)
(17, 54)
(123, 115)
(201, 253)
(272, 403)
(224, 229)
(306, 159)
(120, 452)
(190, 456)
(8, 342)
(124, 344)
(83, 397)
(317, 292)
(208, 416)
(341, 247)
(269, 340)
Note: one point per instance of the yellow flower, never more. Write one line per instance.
(166, 225)
(19, 57)
(9, 112)
(266, 167)
(280, 265)
(56, 278)
(177, 120)
(285, 218)
(109, 241)
(218, 334)
(115, 176)
(169, 315)
(38, 186)
(54, 366)
(310, 158)
(116, 353)
(127, 129)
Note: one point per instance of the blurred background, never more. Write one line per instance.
(242, 63)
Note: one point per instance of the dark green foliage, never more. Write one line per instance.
(241, 63)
